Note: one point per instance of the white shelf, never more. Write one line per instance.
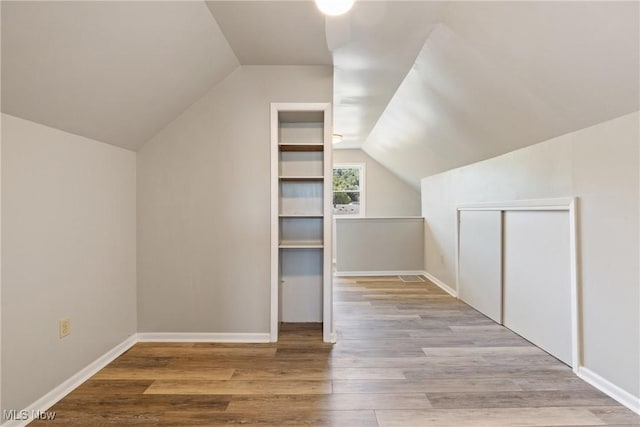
(300, 245)
(301, 216)
(301, 178)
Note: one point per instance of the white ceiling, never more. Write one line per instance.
(117, 72)
(273, 32)
(381, 44)
(421, 86)
(495, 77)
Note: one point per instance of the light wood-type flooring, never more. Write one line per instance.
(407, 355)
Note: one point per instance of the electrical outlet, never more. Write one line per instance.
(65, 327)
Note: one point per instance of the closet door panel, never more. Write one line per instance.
(480, 258)
(537, 280)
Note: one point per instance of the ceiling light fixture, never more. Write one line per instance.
(334, 7)
(336, 138)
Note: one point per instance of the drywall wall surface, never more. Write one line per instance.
(539, 172)
(599, 165)
(605, 177)
(204, 208)
(379, 245)
(385, 193)
(68, 250)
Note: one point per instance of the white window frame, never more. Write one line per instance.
(363, 179)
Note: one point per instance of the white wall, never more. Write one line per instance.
(379, 246)
(68, 249)
(599, 165)
(385, 193)
(204, 208)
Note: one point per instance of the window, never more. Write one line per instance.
(348, 189)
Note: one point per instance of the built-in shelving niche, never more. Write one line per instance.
(301, 227)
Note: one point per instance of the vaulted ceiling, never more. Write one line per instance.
(117, 72)
(494, 77)
(421, 86)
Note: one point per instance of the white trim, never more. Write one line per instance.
(576, 315)
(328, 324)
(377, 218)
(0, 256)
(621, 396)
(370, 273)
(560, 204)
(448, 289)
(274, 235)
(302, 106)
(55, 395)
(456, 255)
(212, 337)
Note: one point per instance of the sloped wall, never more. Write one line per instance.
(204, 207)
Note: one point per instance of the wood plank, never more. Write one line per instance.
(239, 387)
(150, 402)
(322, 373)
(269, 418)
(487, 371)
(432, 385)
(615, 415)
(329, 402)
(301, 147)
(488, 417)
(164, 373)
(479, 351)
(520, 399)
(209, 351)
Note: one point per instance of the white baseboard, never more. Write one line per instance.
(448, 289)
(622, 396)
(203, 337)
(379, 273)
(332, 338)
(55, 395)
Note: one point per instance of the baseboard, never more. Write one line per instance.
(204, 337)
(622, 396)
(332, 338)
(55, 395)
(448, 289)
(378, 273)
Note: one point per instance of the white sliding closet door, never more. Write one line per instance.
(480, 261)
(537, 279)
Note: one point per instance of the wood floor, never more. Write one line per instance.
(407, 355)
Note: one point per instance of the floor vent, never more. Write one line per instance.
(370, 279)
(412, 279)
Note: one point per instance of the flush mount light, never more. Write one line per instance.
(334, 7)
(336, 138)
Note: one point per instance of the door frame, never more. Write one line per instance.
(328, 324)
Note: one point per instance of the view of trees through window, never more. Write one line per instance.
(346, 190)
